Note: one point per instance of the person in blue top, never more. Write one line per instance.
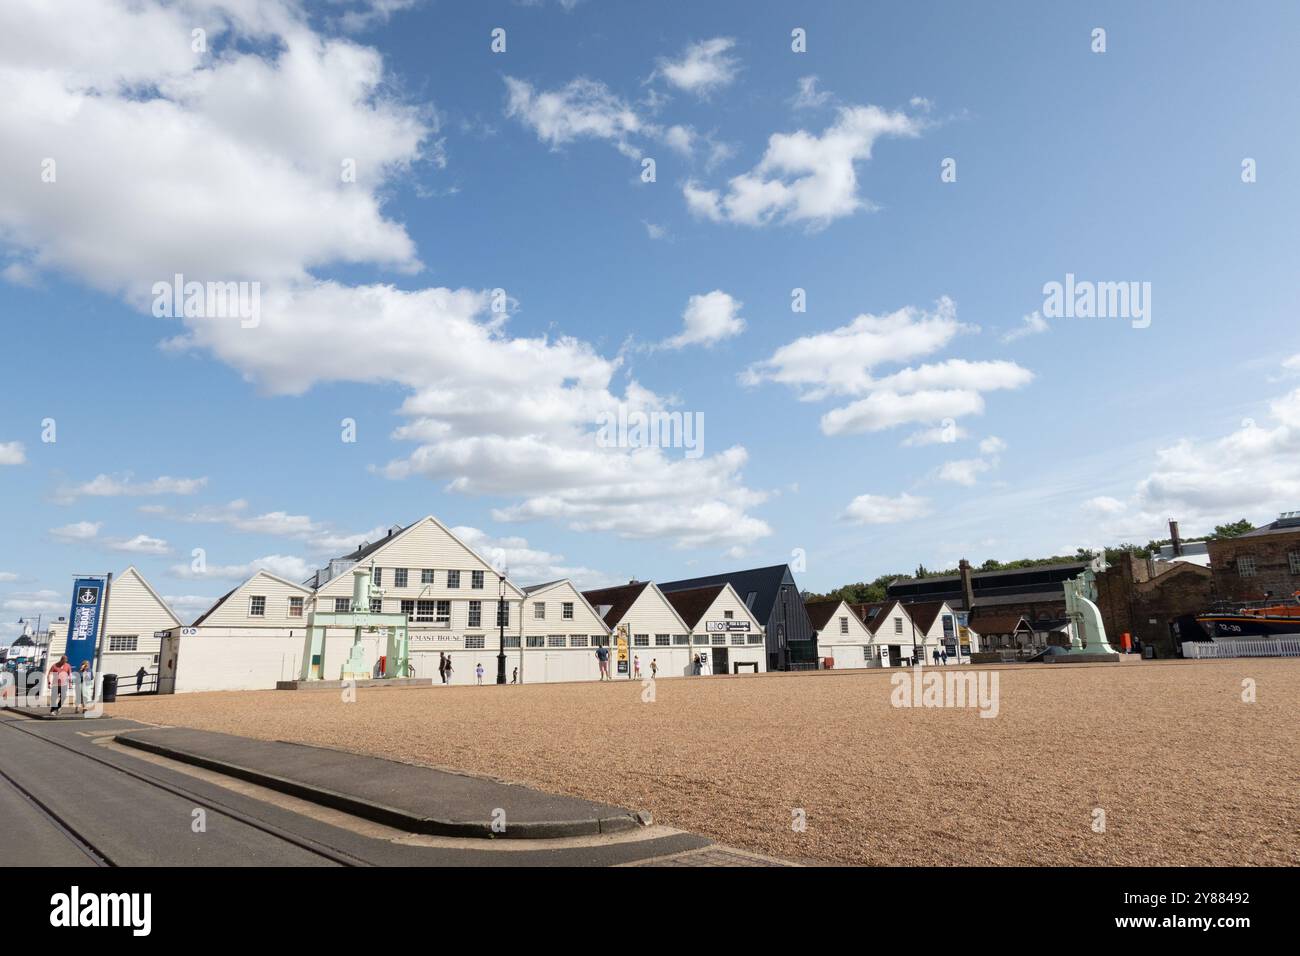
(602, 656)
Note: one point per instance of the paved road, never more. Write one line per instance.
(126, 811)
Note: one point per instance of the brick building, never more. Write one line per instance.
(1260, 564)
(1154, 601)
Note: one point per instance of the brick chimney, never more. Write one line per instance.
(1175, 542)
(967, 586)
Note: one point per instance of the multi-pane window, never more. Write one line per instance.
(476, 580)
(738, 639)
(577, 640)
(729, 615)
(426, 576)
(295, 607)
(844, 625)
(123, 642)
(342, 605)
(379, 577)
(539, 611)
(475, 613)
(443, 614)
(408, 608)
(475, 641)
(701, 639)
(503, 614)
(898, 625)
(1294, 558)
(536, 640)
(556, 640)
(719, 638)
(376, 605)
(512, 641)
(399, 577)
(755, 638)
(257, 605)
(453, 579)
(1246, 566)
(566, 611)
(663, 640)
(640, 640)
(600, 640)
(682, 639)
(424, 610)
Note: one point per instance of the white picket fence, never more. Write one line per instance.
(1272, 647)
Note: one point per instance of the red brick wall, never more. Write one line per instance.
(1272, 566)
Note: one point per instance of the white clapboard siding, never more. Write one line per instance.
(134, 609)
(233, 610)
(554, 597)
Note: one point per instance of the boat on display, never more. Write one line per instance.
(1254, 619)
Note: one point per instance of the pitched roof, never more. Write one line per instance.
(366, 549)
(820, 612)
(999, 623)
(131, 569)
(924, 613)
(693, 602)
(620, 599)
(874, 613)
(542, 587)
(763, 583)
(220, 601)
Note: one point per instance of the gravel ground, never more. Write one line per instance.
(1186, 772)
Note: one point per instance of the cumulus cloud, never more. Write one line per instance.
(841, 362)
(34, 602)
(77, 531)
(286, 566)
(241, 181)
(1104, 505)
(808, 96)
(703, 68)
(140, 544)
(513, 556)
(708, 319)
(883, 509)
(803, 178)
(117, 486)
(1031, 324)
(12, 453)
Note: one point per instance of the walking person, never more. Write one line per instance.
(442, 667)
(636, 666)
(936, 655)
(446, 674)
(654, 668)
(478, 672)
(943, 656)
(59, 679)
(85, 689)
(514, 678)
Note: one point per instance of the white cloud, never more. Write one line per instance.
(992, 446)
(704, 67)
(655, 231)
(189, 606)
(140, 544)
(882, 509)
(582, 108)
(12, 453)
(1292, 363)
(6, 576)
(77, 531)
(286, 566)
(840, 362)
(966, 471)
(1032, 324)
(526, 565)
(255, 131)
(1104, 505)
(945, 434)
(34, 602)
(235, 515)
(117, 486)
(708, 319)
(808, 96)
(1253, 472)
(802, 177)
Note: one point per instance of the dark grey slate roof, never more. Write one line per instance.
(763, 583)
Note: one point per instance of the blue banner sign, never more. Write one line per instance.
(83, 623)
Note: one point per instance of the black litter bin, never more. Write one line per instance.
(110, 688)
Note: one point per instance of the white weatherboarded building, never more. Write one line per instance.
(723, 629)
(136, 613)
(251, 638)
(561, 634)
(893, 632)
(841, 636)
(654, 629)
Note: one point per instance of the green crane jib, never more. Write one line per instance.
(360, 618)
(1087, 632)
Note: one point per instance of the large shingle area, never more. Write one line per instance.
(1185, 771)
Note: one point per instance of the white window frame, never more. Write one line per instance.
(844, 624)
(342, 605)
(566, 611)
(296, 610)
(426, 575)
(539, 610)
(475, 614)
(253, 600)
(1246, 566)
(476, 580)
(1294, 559)
(453, 580)
(133, 640)
(400, 577)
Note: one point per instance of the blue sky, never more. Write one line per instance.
(522, 171)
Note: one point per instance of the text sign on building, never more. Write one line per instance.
(726, 627)
(83, 623)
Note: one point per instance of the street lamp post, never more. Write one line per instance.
(501, 623)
